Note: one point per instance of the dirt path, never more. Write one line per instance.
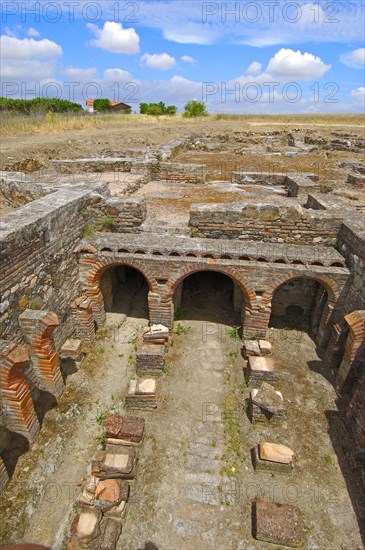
(176, 504)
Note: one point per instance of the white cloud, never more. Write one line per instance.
(289, 63)
(254, 68)
(358, 95)
(28, 48)
(354, 59)
(114, 38)
(33, 32)
(188, 59)
(27, 69)
(162, 61)
(77, 74)
(117, 75)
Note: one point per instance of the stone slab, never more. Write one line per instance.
(268, 399)
(261, 364)
(278, 524)
(146, 387)
(274, 452)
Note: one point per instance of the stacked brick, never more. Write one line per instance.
(83, 319)
(38, 328)
(151, 351)
(16, 397)
(105, 494)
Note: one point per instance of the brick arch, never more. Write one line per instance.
(97, 267)
(329, 284)
(248, 292)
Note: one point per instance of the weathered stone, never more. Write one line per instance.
(267, 398)
(86, 526)
(124, 428)
(278, 523)
(265, 347)
(117, 461)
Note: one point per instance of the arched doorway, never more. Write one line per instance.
(298, 304)
(209, 296)
(125, 290)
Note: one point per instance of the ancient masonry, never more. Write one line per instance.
(66, 236)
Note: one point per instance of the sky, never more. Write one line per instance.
(249, 57)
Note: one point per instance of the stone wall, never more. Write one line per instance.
(16, 190)
(118, 214)
(279, 221)
(39, 266)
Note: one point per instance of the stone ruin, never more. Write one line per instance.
(62, 242)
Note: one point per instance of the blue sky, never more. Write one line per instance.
(265, 56)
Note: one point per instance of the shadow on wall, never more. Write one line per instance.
(13, 446)
(209, 296)
(298, 304)
(125, 288)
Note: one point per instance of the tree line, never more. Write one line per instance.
(39, 105)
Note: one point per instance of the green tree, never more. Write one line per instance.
(195, 108)
(157, 109)
(102, 105)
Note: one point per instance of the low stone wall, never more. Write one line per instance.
(192, 173)
(267, 222)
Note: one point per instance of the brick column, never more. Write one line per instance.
(16, 397)
(255, 322)
(97, 305)
(354, 349)
(38, 327)
(83, 319)
(4, 477)
(160, 312)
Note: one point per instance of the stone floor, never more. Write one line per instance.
(195, 481)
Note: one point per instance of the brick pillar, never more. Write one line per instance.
(97, 305)
(255, 322)
(83, 319)
(353, 356)
(16, 397)
(4, 477)
(38, 327)
(160, 312)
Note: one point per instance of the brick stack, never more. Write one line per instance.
(141, 394)
(255, 348)
(272, 457)
(260, 369)
(150, 359)
(17, 400)
(124, 430)
(38, 328)
(105, 494)
(266, 404)
(83, 319)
